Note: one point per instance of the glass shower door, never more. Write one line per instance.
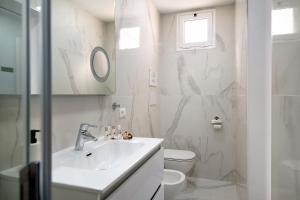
(286, 100)
(13, 97)
(24, 174)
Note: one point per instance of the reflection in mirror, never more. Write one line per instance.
(11, 67)
(100, 65)
(10, 42)
(78, 26)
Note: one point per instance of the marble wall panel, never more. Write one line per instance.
(187, 126)
(195, 86)
(133, 66)
(213, 70)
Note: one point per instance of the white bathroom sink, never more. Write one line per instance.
(102, 164)
(100, 157)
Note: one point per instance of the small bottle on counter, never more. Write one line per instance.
(119, 132)
(107, 132)
(113, 133)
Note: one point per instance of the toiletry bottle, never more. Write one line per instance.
(113, 132)
(119, 132)
(107, 131)
(35, 146)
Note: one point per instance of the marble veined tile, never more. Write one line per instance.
(286, 68)
(185, 124)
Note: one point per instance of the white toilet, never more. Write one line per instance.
(174, 182)
(179, 160)
(177, 164)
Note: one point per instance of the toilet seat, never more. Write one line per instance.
(173, 182)
(173, 177)
(179, 155)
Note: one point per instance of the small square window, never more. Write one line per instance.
(283, 21)
(196, 30)
(129, 38)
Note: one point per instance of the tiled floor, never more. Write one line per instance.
(205, 189)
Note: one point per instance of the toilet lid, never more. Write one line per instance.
(174, 154)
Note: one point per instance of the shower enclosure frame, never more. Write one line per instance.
(259, 99)
(45, 169)
(46, 101)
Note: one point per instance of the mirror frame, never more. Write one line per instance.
(96, 76)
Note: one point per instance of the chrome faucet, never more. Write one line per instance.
(84, 136)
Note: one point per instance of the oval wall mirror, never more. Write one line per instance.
(100, 65)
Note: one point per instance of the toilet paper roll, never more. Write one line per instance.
(217, 127)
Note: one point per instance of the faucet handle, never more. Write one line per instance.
(84, 129)
(84, 134)
(86, 126)
(92, 126)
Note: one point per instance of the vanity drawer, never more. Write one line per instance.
(143, 183)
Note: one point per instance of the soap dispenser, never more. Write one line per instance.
(35, 146)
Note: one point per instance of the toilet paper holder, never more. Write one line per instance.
(216, 122)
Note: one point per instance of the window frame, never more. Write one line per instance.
(210, 15)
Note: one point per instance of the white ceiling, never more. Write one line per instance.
(168, 6)
(103, 9)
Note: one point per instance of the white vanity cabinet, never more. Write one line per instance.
(144, 183)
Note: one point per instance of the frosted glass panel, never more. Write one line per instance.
(196, 31)
(286, 101)
(12, 107)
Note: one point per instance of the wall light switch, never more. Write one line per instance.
(153, 79)
(122, 112)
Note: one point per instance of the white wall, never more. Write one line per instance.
(195, 86)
